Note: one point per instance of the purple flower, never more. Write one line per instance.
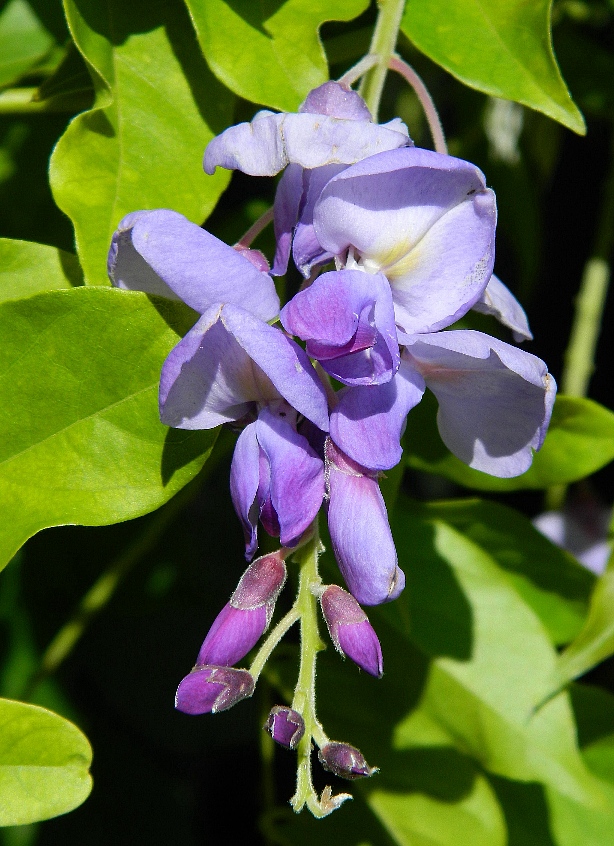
(347, 319)
(242, 621)
(351, 631)
(359, 530)
(499, 301)
(424, 220)
(161, 252)
(285, 726)
(345, 761)
(207, 690)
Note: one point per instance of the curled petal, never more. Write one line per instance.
(425, 220)
(233, 633)
(368, 421)
(229, 360)
(207, 690)
(307, 251)
(244, 485)
(347, 319)
(190, 262)
(495, 400)
(360, 532)
(499, 301)
(271, 141)
(286, 210)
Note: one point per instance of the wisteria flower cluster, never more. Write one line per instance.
(394, 244)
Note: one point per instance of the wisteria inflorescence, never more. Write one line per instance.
(395, 244)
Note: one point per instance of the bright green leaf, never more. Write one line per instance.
(269, 53)
(502, 47)
(548, 579)
(595, 642)
(24, 41)
(27, 268)
(81, 440)
(44, 762)
(141, 146)
(579, 442)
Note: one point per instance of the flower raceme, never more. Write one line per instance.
(395, 244)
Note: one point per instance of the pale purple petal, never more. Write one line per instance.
(307, 251)
(297, 476)
(199, 269)
(233, 634)
(333, 99)
(228, 361)
(368, 421)
(425, 220)
(360, 532)
(495, 400)
(286, 209)
(244, 484)
(499, 301)
(347, 319)
(271, 141)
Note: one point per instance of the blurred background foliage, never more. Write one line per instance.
(131, 602)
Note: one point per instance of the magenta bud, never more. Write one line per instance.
(345, 761)
(351, 631)
(207, 690)
(242, 622)
(285, 726)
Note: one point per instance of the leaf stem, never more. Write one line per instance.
(426, 101)
(382, 45)
(23, 101)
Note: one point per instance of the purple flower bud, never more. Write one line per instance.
(241, 623)
(207, 690)
(285, 726)
(351, 631)
(345, 761)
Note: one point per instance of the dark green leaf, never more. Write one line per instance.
(44, 762)
(81, 437)
(502, 47)
(269, 53)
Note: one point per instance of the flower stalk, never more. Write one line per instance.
(382, 45)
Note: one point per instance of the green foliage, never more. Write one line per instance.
(27, 268)
(24, 41)
(44, 762)
(81, 438)
(502, 48)
(157, 106)
(269, 53)
(579, 442)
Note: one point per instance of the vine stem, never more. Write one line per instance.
(256, 228)
(382, 45)
(426, 101)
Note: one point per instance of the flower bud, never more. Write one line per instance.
(285, 726)
(345, 761)
(351, 631)
(241, 622)
(211, 689)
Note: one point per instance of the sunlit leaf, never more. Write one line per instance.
(579, 442)
(81, 437)
(27, 268)
(269, 53)
(141, 146)
(503, 48)
(44, 763)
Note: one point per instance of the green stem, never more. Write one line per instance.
(272, 640)
(382, 45)
(22, 101)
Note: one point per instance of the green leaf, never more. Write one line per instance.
(579, 442)
(502, 47)
(24, 41)
(27, 268)
(141, 146)
(595, 642)
(548, 579)
(81, 440)
(269, 53)
(44, 762)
